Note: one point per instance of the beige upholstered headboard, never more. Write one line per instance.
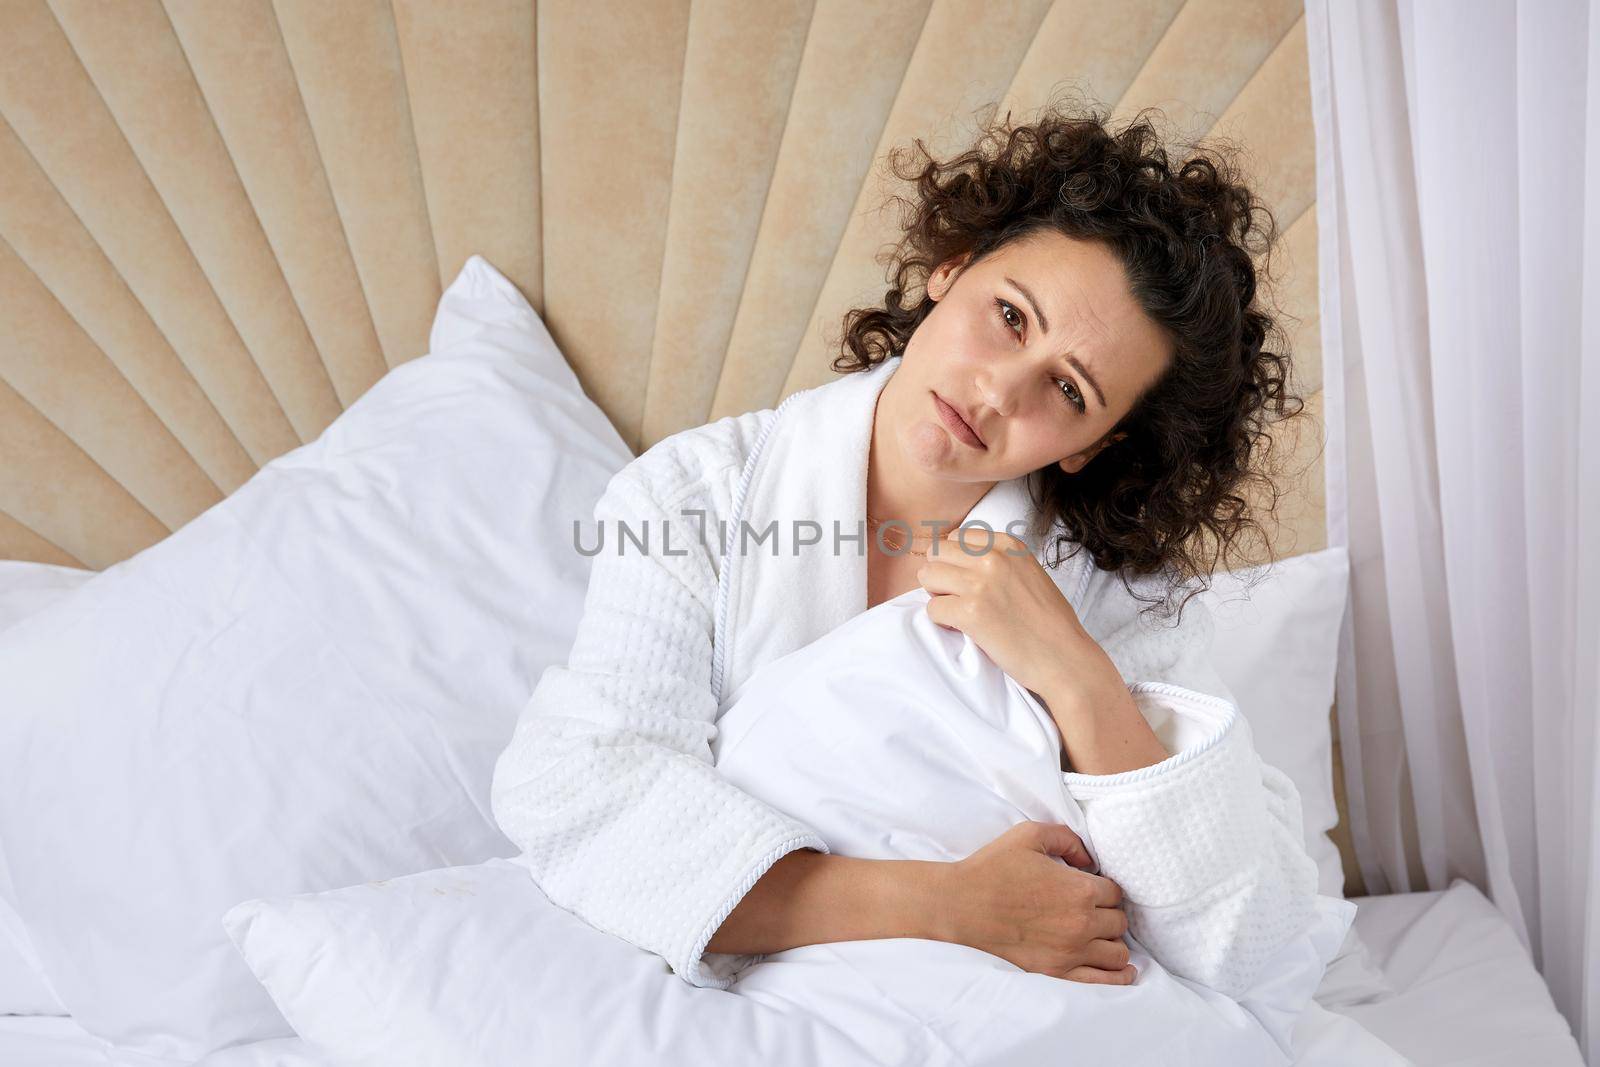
(220, 222)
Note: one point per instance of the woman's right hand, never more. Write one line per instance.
(1015, 899)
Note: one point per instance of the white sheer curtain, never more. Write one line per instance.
(1459, 222)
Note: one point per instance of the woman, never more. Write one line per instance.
(1084, 369)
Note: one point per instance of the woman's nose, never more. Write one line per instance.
(1000, 388)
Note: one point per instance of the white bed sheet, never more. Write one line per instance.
(1465, 990)
(58, 1041)
(48, 1041)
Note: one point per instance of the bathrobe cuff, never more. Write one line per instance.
(719, 970)
(1206, 845)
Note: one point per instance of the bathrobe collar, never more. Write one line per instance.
(810, 463)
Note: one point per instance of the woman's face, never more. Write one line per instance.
(1040, 348)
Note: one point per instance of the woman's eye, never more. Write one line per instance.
(1069, 390)
(1006, 311)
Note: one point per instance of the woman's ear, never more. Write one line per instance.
(944, 275)
(1078, 460)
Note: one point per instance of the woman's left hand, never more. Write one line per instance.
(996, 592)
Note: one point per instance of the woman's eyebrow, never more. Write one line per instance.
(1044, 323)
(1081, 369)
(1044, 329)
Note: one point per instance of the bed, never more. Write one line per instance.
(221, 225)
(1465, 993)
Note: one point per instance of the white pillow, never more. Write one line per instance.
(24, 589)
(1276, 649)
(474, 965)
(305, 686)
(895, 738)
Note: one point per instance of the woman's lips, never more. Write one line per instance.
(956, 424)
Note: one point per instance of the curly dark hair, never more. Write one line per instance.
(1171, 497)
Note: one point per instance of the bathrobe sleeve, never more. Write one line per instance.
(609, 785)
(1207, 845)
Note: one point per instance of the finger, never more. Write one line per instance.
(945, 609)
(939, 577)
(1110, 923)
(1107, 894)
(979, 541)
(1096, 976)
(1108, 955)
(969, 543)
(1057, 839)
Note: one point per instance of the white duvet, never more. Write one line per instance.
(894, 738)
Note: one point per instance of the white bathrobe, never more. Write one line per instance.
(609, 785)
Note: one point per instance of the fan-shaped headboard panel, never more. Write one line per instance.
(220, 223)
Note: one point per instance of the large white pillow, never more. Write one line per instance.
(27, 588)
(1276, 648)
(304, 687)
(24, 589)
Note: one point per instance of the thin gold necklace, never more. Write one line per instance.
(893, 536)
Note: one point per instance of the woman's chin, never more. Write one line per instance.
(929, 447)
